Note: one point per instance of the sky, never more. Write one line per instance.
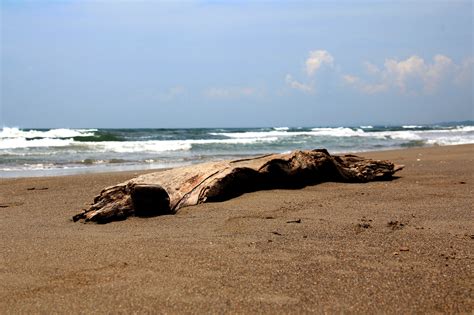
(166, 64)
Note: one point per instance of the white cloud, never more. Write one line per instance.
(363, 86)
(465, 73)
(172, 93)
(307, 88)
(409, 75)
(316, 59)
(441, 68)
(404, 72)
(413, 75)
(231, 92)
(371, 68)
(351, 79)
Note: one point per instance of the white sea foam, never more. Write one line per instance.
(40, 169)
(134, 146)
(233, 141)
(255, 134)
(411, 126)
(458, 135)
(281, 128)
(169, 145)
(123, 146)
(464, 128)
(450, 141)
(335, 132)
(338, 132)
(397, 135)
(344, 132)
(12, 133)
(29, 167)
(158, 146)
(15, 143)
(39, 166)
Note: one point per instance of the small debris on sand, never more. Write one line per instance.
(39, 188)
(294, 221)
(364, 225)
(10, 204)
(396, 225)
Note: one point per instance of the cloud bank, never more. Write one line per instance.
(412, 76)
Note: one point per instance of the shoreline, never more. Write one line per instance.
(136, 169)
(403, 246)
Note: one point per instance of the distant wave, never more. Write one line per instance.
(412, 127)
(7, 132)
(123, 146)
(339, 132)
(168, 145)
(331, 132)
(14, 143)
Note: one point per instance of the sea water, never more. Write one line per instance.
(46, 152)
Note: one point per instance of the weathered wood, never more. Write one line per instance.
(165, 192)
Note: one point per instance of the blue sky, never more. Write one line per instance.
(235, 63)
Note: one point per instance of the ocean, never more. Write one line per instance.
(49, 152)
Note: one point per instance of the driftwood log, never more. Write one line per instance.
(165, 192)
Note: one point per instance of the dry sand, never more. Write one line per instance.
(399, 246)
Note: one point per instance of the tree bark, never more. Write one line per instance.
(165, 192)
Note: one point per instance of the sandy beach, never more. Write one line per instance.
(404, 246)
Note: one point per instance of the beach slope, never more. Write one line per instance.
(399, 246)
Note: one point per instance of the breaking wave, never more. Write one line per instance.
(12, 133)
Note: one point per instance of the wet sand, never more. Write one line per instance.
(392, 247)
